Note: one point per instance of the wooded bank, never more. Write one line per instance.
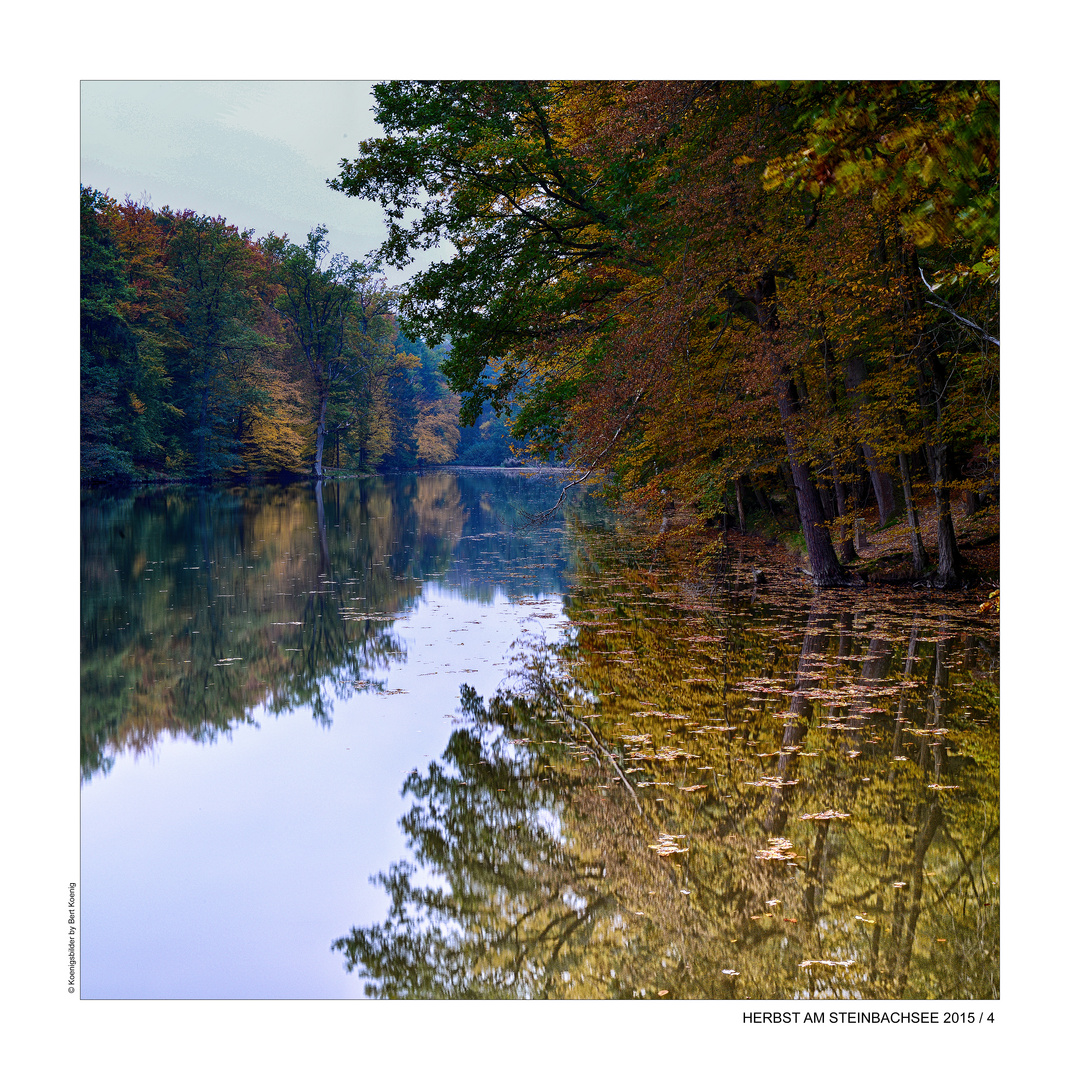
(733, 300)
(718, 292)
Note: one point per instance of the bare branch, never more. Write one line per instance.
(546, 515)
(959, 318)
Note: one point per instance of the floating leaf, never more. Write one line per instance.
(823, 815)
(667, 845)
(771, 782)
(779, 848)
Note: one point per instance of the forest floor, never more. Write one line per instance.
(884, 557)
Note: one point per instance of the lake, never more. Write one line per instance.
(392, 737)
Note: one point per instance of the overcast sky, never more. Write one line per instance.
(255, 153)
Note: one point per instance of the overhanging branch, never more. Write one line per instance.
(958, 317)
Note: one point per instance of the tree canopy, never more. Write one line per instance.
(712, 287)
(209, 354)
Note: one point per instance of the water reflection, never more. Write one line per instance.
(713, 796)
(200, 606)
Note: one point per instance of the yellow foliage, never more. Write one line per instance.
(437, 431)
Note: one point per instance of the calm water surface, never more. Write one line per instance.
(376, 740)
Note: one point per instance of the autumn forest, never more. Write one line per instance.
(210, 355)
(727, 300)
(358, 719)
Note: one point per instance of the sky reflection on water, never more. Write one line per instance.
(288, 692)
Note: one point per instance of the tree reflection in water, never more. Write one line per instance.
(199, 606)
(823, 772)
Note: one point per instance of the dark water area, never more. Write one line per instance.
(378, 739)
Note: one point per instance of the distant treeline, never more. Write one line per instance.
(208, 354)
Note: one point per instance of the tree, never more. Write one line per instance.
(218, 324)
(319, 303)
(640, 279)
(122, 376)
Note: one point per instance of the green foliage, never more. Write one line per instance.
(109, 356)
(207, 354)
(480, 164)
(696, 285)
(487, 442)
(930, 148)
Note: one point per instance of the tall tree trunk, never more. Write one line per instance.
(883, 485)
(825, 568)
(948, 559)
(847, 548)
(931, 819)
(933, 384)
(918, 552)
(320, 435)
(320, 517)
(799, 711)
(739, 504)
(825, 494)
(879, 478)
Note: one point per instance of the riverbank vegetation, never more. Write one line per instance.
(766, 305)
(725, 297)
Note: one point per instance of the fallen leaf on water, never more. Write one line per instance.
(779, 848)
(661, 993)
(943, 787)
(898, 884)
(823, 815)
(666, 845)
(694, 787)
(827, 963)
(771, 782)
(728, 971)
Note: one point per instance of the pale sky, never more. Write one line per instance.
(255, 153)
